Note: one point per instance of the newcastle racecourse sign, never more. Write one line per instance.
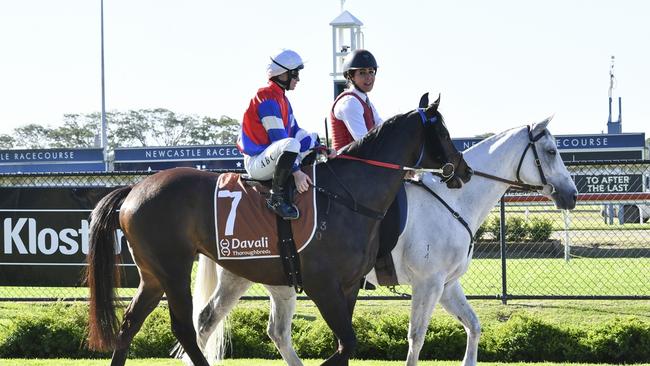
(159, 158)
(52, 160)
(598, 147)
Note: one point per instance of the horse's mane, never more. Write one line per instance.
(495, 140)
(375, 136)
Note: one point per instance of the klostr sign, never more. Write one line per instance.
(45, 236)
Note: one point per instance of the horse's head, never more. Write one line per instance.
(551, 173)
(439, 149)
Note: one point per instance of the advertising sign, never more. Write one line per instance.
(159, 158)
(597, 147)
(52, 160)
(600, 141)
(610, 183)
(44, 235)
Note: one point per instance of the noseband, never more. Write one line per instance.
(519, 183)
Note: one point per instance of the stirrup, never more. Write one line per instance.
(283, 209)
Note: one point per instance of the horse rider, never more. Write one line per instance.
(352, 114)
(270, 139)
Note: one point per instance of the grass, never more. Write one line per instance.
(260, 362)
(527, 276)
(555, 276)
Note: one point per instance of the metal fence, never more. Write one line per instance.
(599, 250)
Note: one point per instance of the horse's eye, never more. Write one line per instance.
(552, 152)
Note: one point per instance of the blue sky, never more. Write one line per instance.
(498, 64)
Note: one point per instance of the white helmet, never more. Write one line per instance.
(283, 61)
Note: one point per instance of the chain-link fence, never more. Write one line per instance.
(599, 250)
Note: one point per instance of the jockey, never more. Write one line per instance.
(352, 114)
(270, 139)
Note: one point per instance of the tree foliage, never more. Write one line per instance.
(133, 128)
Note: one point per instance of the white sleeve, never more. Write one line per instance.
(349, 110)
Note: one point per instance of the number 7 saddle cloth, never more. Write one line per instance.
(246, 228)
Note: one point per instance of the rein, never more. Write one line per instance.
(447, 170)
(382, 164)
(519, 183)
(350, 203)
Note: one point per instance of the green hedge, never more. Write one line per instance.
(60, 332)
(538, 229)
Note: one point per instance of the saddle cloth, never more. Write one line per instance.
(246, 228)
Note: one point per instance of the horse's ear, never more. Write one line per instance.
(424, 100)
(539, 127)
(433, 108)
(437, 102)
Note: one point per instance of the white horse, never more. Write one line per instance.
(431, 264)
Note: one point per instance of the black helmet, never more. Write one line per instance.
(359, 59)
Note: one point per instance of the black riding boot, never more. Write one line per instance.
(279, 201)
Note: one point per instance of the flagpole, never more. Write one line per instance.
(104, 132)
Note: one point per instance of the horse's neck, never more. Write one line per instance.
(367, 185)
(497, 156)
(373, 186)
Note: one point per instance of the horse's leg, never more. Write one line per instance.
(333, 305)
(145, 300)
(179, 297)
(426, 293)
(230, 288)
(283, 306)
(454, 301)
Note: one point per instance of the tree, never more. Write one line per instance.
(32, 136)
(78, 130)
(215, 131)
(7, 141)
(142, 127)
(153, 127)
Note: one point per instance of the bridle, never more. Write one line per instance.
(519, 183)
(447, 171)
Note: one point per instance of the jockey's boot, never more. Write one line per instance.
(279, 200)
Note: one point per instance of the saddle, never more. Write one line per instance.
(246, 229)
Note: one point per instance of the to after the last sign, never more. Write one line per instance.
(609, 183)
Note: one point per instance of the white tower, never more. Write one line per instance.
(346, 37)
(613, 126)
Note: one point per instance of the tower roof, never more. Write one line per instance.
(346, 19)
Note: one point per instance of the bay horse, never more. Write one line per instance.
(435, 248)
(168, 218)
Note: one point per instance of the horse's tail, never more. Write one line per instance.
(101, 274)
(205, 283)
